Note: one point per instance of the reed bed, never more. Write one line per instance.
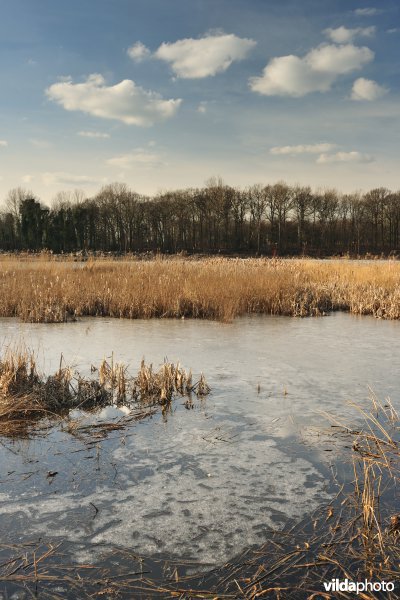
(26, 396)
(46, 290)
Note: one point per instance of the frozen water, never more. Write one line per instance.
(202, 483)
(189, 500)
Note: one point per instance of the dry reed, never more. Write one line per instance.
(44, 290)
(26, 396)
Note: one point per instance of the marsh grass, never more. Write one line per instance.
(45, 290)
(26, 396)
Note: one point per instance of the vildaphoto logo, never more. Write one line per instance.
(346, 585)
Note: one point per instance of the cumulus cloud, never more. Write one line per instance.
(367, 89)
(302, 149)
(94, 134)
(61, 177)
(344, 157)
(196, 58)
(139, 157)
(3, 143)
(367, 12)
(343, 35)
(138, 52)
(290, 76)
(315, 72)
(125, 101)
(339, 60)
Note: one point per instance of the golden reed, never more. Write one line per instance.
(49, 290)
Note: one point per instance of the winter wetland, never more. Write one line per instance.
(199, 300)
(190, 458)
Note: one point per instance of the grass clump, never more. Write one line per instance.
(26, 396)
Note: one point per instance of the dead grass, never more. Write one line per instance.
(44, 290)
(26, 397)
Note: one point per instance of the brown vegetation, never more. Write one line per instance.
(26, 396)
(46, 290)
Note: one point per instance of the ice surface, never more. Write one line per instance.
(203, 483)
(199, 502)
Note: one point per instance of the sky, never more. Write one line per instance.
(164, 94)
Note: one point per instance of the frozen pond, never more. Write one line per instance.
(203, 483)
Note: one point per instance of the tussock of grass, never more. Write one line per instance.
(42, 290)
(26, 396)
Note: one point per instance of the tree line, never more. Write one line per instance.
(262, 219)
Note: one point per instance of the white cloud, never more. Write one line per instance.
(339, 60)
(139, 157)
(394, 30)
(302, 149)
(125, 101)
(196, 58)
(315, 72)
(342, 35)
(61, 177)
(367, 12)
(138, 52)
(3, 143)
(94, 134)
(202, 107)
(367, 89)
(290, 76)
(344, 157)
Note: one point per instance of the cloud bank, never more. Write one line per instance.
(302, 149)
(125, 101)
(344, 157)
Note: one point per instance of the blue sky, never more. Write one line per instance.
(164, 94)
